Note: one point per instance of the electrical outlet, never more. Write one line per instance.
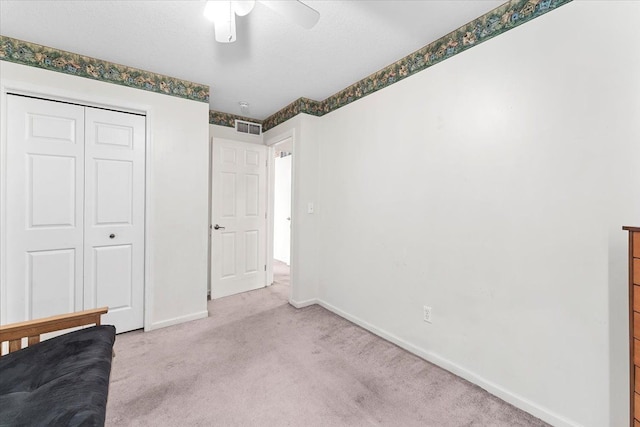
(427, 314)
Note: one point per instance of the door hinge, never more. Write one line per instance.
(265, 268)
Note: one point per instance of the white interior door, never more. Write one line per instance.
(114, 216)
(45, 186)
(75, 177)
(282, 209)
(238, 237)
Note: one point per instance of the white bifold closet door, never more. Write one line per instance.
(75, 211)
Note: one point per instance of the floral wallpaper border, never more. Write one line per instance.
(300, 105)
(228, 119)
(35, 55)
(499, 20)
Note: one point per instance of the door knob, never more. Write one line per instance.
(217, 227)
(112, 236)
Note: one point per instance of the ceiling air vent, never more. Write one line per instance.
(248, 127)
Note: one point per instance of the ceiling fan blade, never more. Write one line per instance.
(295, 11)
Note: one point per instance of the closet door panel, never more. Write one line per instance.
(45, 186)
(51, 187)
(113, 267)
(114, 216)
(113, 192)
(51, 278)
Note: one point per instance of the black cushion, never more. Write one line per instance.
(63, 381)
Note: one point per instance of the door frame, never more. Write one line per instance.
(75, 97)
(271, 179)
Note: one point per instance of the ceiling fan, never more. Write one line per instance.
(223, 14)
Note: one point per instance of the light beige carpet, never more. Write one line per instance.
(257, 361)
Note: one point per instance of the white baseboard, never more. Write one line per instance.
(504, 394)
(177, 320)
(302, 304)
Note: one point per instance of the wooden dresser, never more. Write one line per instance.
(634, 322)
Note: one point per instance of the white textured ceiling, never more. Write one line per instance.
(272, 63)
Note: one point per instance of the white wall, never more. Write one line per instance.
(492, 187)
(177, 185)
(282, 209)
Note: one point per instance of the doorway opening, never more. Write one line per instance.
(281, 218)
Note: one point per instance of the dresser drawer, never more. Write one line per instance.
(636, 245)
(636, 405)
(636, 271)
(636, 352)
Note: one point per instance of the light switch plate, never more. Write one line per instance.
(310, 208)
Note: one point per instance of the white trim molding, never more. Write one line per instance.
(305, 303)
(177, 320)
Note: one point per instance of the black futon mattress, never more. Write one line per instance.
(63, 381)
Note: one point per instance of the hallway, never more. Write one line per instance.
(281, 273)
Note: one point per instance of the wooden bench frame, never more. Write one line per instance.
(32, 329)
